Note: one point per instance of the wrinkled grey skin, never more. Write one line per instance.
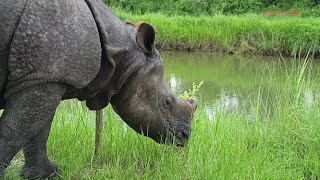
(52, 50)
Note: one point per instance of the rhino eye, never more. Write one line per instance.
(168, 102)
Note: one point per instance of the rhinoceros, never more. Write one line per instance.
(52, 50)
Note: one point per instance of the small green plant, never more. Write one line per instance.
(191, 93)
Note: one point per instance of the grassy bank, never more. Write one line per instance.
(253, 34)
(276, 139)
(212, 7)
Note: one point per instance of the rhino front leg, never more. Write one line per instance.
(26, 114)
(37, 163)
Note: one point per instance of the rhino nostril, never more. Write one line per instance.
(191, 101)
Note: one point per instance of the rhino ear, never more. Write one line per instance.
(145, 37)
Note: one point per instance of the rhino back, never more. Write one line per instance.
(55, 41)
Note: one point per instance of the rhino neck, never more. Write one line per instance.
(117, 42)
(125, 65)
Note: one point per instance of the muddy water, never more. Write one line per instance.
(232, 83)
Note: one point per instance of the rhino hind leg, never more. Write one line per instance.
(27, 113)
(37, 164)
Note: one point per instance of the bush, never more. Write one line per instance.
(194, 7)
(312, 12)
(236, 6)
(209, 7)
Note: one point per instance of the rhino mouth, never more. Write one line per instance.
(181, 139)
(178, 138)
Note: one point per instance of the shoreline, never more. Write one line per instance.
(224, 51)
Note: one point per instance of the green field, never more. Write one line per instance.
(283, 144)
(249, 34)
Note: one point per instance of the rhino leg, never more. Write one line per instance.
(26, 114)
(37, 164)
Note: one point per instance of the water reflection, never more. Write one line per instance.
(227, 101)
(311, 99)
(174, 83)
(234, 84)
(210, 113)
(308, 98)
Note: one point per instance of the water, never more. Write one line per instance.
(231, 83)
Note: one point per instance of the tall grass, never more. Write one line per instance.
(256, 34)
(276, 138)
(211, 7)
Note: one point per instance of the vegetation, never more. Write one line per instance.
(254, 143)
(212, 7)
(257, 34)
(262, 27)
(191, 93)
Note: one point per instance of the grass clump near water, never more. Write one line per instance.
(277, 137)
(253, 34)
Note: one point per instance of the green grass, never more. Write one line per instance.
(205, 7)
(256, 34)
(277, 137)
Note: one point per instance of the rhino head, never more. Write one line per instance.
(144, 101)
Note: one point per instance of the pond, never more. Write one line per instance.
(232, 84)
